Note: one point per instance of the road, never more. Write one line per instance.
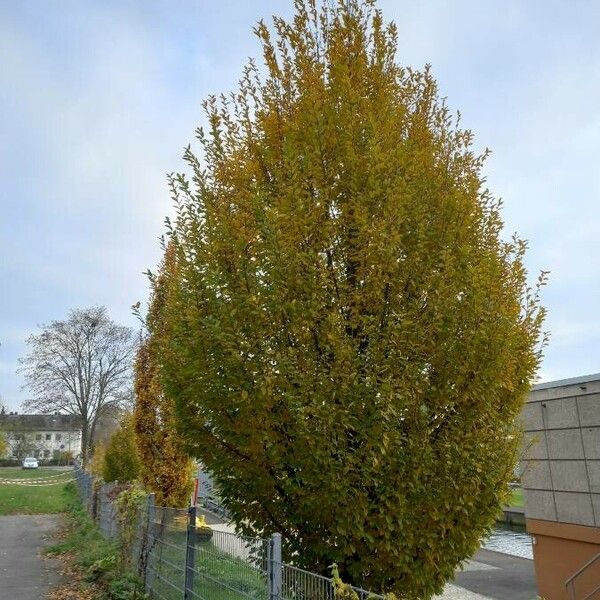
(24, 573)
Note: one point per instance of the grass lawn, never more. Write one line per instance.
(20, 499)
(219, 574)
(517, 498)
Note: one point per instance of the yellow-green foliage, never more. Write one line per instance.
(129, 503)
(349, 340)
(166, 469)
(121, 461)
(3, 444)
(344, 591)
(96, 464)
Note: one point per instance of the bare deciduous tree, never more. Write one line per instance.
(80, 366)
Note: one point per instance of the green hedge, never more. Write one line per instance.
(43, 462)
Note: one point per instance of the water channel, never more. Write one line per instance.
(514, 541)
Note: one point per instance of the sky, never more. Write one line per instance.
(98, 100)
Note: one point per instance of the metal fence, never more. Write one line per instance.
(176, 559)
(209, 497)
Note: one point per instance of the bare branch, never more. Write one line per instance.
(80, 366)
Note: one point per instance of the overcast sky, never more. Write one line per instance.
(98, 99)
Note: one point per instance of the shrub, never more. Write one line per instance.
(96, 464)
(3, 445)
(121, 461)
(129, 503)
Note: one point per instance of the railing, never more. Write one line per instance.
(175, 559)
(298, 583)
(571, 582)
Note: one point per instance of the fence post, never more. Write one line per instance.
(94, 501)
(275, 567)
(88, 491)
(114, 524)
(91, 500)
(147, 565)
(190, 553)
(103, 521)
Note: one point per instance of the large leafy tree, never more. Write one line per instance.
(350, 338)
(166, 469)
(80, 366)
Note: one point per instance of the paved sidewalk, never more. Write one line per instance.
(498, 576)
(24, 573)
(453, 592)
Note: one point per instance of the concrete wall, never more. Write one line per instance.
(559, 551)
(561, 478)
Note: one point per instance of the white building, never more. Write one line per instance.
(42, 436)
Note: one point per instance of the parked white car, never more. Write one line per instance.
(30, 463)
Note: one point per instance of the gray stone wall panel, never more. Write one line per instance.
(539, 505)
(565, 444)
(591, 442)
(569, 475)
(589, 410)
(534, 445)
(575, 508)
(596, 505)
(594, 474)
(536, 475)
(532, 417)
(560, 413)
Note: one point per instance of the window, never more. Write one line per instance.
(38, 437)
(58, 437)
(36, 453)
(46, 453)
(48, 437)
(56, 454)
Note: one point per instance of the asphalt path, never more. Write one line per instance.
(499, 576)
(24, 573)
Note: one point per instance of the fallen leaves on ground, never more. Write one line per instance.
(75, 587)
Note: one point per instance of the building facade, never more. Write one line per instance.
(561, 483)
(44, 436)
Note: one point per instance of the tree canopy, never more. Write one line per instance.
(166, 469)
(350, 338)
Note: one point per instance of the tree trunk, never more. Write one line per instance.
(85, 442)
